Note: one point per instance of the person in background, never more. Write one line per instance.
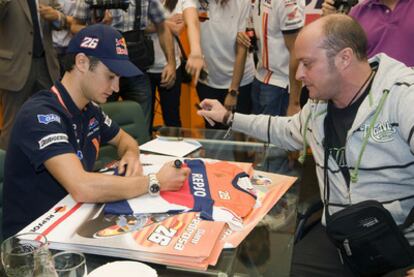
(388, 25)
(358, 109)
(137, 88)
(169, 95)
(276, 23)
(61, 38)
(230, 67)
(27, 59)
(57, 134)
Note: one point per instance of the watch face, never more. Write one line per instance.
(233, 92)
(154, 188)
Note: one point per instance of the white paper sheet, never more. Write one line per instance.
(171, 147)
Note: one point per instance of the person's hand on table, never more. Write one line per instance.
(130, 162)
(172, 178)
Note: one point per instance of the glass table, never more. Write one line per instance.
(268, 248)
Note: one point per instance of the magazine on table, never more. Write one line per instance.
(181, 239)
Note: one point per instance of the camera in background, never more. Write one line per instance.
(344, 6)
(98, 7)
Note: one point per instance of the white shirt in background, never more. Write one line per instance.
(218, 41)
(62, 38)
(160, 61)
(271, 18)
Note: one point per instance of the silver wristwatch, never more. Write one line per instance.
(153, 185)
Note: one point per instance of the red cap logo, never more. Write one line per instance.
(121, 48)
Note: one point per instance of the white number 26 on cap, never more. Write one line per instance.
(89, 42)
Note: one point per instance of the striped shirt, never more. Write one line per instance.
(124, 20)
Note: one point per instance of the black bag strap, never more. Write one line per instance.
(325, 171)
(408, 221)
(183, 54)
(137, 22)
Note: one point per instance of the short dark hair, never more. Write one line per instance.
(69, 62)
(342, 31)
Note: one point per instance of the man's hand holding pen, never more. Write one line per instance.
(172, 176)
(213, 110)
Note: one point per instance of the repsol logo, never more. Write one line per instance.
(42, 223)
(199, 187)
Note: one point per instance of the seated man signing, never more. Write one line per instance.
(57, 134)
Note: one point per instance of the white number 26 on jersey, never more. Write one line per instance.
(89, 42)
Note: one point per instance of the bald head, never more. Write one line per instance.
(336, 32)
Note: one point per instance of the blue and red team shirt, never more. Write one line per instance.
(47, 125)
(220, 191)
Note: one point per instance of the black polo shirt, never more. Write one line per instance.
(48, 124)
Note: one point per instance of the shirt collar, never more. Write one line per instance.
(68, 101)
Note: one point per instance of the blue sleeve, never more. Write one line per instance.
(108, 128)
(43, 134)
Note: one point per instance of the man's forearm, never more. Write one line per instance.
(90, 186)
(294, 85)
(127, 144)
(238, 68)
(193, 30)
(166, 42)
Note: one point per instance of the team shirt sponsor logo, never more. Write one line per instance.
(93, 123)
(47, 118)
(120, 46)
(108, 121)
(293, 16)
(79, 154)
(93, 126)
(46, 219)
(51, 139)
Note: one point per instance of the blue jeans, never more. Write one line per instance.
(269, 99)
(138, 89)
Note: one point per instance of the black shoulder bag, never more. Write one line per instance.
(366, 235)
(140, 45)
